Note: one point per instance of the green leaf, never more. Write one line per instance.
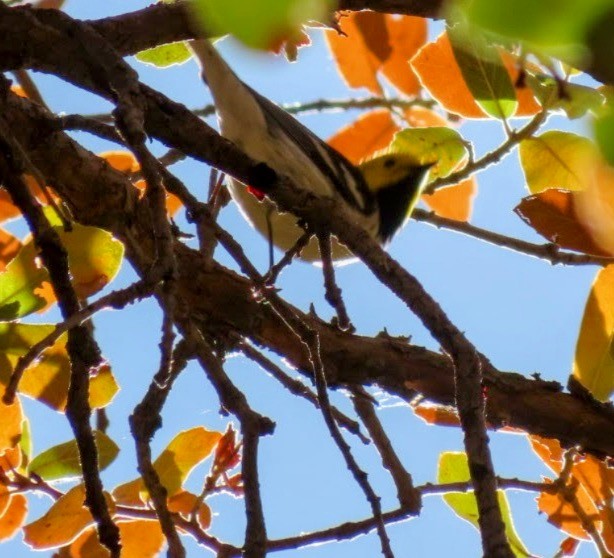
(25, 443)
(575, 100)
(62, 461)
(559, 26)
(259, 24)
(164, 56)
(94, 258)
(19, 284)
(604, 134)
(48, 377)
(557, 159)
(453, 467)
(441, 144)
(483, 71)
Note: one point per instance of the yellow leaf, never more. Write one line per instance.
(184, 452)
(557, 159)
(11, 418)
(62, 523)
(140, 539)
(594, 360)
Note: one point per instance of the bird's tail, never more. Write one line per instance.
(228, 91)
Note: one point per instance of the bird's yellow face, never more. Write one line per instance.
(391, 168)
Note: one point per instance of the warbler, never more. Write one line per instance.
(379, 194)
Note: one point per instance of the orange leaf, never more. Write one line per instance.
(439, 72)
(569, 546)
(184, 502)
(11, 459)
(9, 246)
(527, 103)
(13, 517)
(7, 209)
(63, 522)
(18, 90)
(561, 513)
(11, 418)
(407, 35)
(422, 117)
(126, 162)
(453, 202)
(5, 496)
(227, 454)
(123, 161)
(140, 539)
(437, 414)
(371, 132)
(375, 42)
(549, 451)
(594, 206)
(552, 214)
(129, 493)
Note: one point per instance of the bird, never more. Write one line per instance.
(379, 194)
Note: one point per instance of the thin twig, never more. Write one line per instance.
(144, 422)
(29, 87)
(309, 338)
(299, 388)
(491, 157)
(332, 292)
(408, 496)
(321, 105)
(253, 426)
(288, 257)
(90, 125)
(549, 252)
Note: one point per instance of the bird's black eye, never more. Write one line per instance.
(389, 163)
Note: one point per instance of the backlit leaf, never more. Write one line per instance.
(437, 414)
(9, 247)
(375, 43)
(62, 461)
(483, 71)
(453, 202)
(184, 502)
(164, 56)
(11, 420)
(453, 467)
(47, 378)
(94, 258)
(574, 99)
(442, 145)
(263, 24)
(539, 22)
(594, 359)
(126, 162)
(369, 133)
(62, 523)
(553, 215)
(557, 159)
(185, 451)
(13, 516)
(140, 539)
(439, 72)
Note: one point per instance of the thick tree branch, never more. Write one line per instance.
(227, 301)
